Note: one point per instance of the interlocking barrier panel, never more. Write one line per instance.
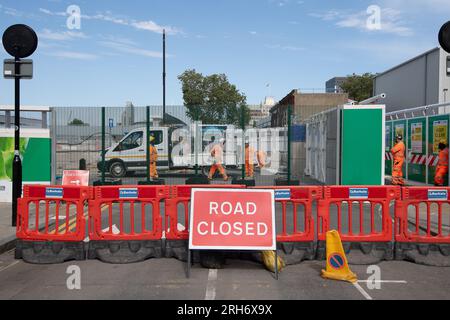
(125, 223)
(362, 217)
(51, 223)
(294, 214)
(422, 226)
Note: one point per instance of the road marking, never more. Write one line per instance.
(362, 291)
(383, 281)
(9, 266)
(73, 221)
(211, 286)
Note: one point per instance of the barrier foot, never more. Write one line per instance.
(113, 182)
(154, 182)
(244, 182)
(362, 253)
(199, 179)
(49, 252)
(437, 255)
(285, 182)
(294, 253)
(123, 252)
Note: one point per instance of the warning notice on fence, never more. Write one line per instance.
(400, 130)
(416, 138)
(232, 219)
(440, 133)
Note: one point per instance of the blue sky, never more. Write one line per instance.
(116, 54)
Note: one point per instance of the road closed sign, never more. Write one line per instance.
(232, 219)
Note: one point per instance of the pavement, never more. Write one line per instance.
(7, 233)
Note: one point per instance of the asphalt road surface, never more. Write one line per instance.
(240, 280)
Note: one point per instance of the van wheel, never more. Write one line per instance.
(117, 170)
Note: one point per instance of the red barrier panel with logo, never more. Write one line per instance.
(301, 200)
(181, 195)
(423, 215)
(113, 213)
(372, 223)
(59, 210)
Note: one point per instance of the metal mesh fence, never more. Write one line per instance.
(112, 143)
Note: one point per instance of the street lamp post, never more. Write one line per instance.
(20, 41)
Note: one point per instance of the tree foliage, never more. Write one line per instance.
(76, 122)
(213, 99)
(359, 87)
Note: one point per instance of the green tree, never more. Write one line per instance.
(76, 122)
(213, 99)
(359, 87)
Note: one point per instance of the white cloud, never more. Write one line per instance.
(12, 12)
(125, 46)
(253, 33)
(53, 13)
(153, 27)
(119, 39)
(419, 5)
(109, 17)
(391, 21)
(287, 48)
(61, 36)
(72, 55)
(327, 16)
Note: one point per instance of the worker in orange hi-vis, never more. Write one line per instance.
(442, 167)
(217, 154)
(261, 159)
(398, 152)
(249, 160)
(153, 159)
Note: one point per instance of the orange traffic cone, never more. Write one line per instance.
(337, 264)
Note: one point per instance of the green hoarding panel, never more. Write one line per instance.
(417, 149)
(37, 160)
(363, 146)
(438, 128)
(388, 144)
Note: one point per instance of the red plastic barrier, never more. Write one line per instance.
(108, 196)
(374, 196)
(182, 195)
(52, 199)
(425, 223)
(299, 196)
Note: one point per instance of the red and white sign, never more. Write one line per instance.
(75, 178)
(232, 219)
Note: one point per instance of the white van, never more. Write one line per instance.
(175, 149)
(130, 154)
